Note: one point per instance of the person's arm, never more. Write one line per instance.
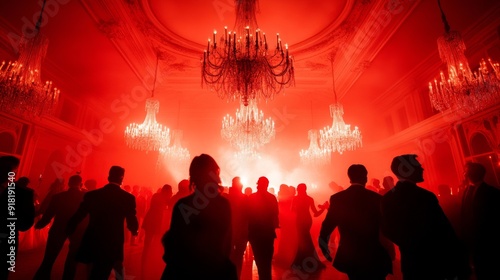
(315, 211)
(47, 216)
(79, 215)
(327, 227)
(131, 218)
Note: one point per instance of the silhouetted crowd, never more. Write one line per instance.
(205, 228)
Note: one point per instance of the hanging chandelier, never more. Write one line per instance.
(22, 90)
(464, 91)
(248, 131)
(339, 137)
(314, 155)
(241, 65)
(150, 135)
(175, 153)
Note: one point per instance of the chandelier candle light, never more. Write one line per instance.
(248, 131)
(20, 84)
(150, 135)
(339, 137)
(464, 91)
(175, 152)
(314, 155)
(242, 66)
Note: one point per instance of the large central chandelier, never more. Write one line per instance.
(150, 135)
(241, 65)
(314, 155)
(22, 91)
(464, 91)
(339, 137)
(248, 131)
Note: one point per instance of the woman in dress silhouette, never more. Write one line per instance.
(302, 204)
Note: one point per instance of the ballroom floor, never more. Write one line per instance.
(29, 260)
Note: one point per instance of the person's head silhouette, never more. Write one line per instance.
(474, 172)
(406, 167)
(183, 186)
(357, 174)
(262, 184)
(75, 181)
(7, 164)
(204, 172)
(116, 174)
(301, 189)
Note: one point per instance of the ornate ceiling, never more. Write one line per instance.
(103, 52)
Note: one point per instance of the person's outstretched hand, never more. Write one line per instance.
(324, 206)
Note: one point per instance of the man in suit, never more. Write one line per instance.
(262, 223)
(356, 212)
(413, 220)
(61, 207)
(19, 218)
(107, 208)
(480, 216)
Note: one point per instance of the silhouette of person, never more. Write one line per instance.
(413, 220)
(262, 223)
(198, 244)
(56, 187)
(90, 185)
(480, 217)
(450, 206)
(302, 205)
(239, 204)
(61, 207)
(355, 211)
(19, 218)
(285, 254)
(152, 224)
(248, 191)
(102, 242)
(388, 184)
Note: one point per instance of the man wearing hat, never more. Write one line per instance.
(108, 208)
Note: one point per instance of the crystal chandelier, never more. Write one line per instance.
(175, 152)
(465, 91)
(241, 66)
(22, 90)
(314, 155)
(150, 135)
(339, 137)
(248, 130)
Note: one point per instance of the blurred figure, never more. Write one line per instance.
(107, 208)
(62, 206)
(24, 213)
(152, 224)
(90, 185)
(56, 187)
(355, 211)
(198, 244)
(450, 206)
(413, 220)
(262, 222)
(239, 205)
(182, 191)
(388, 184)
(302, 205)
(480, 218)
(248, 191)
(287, 234)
